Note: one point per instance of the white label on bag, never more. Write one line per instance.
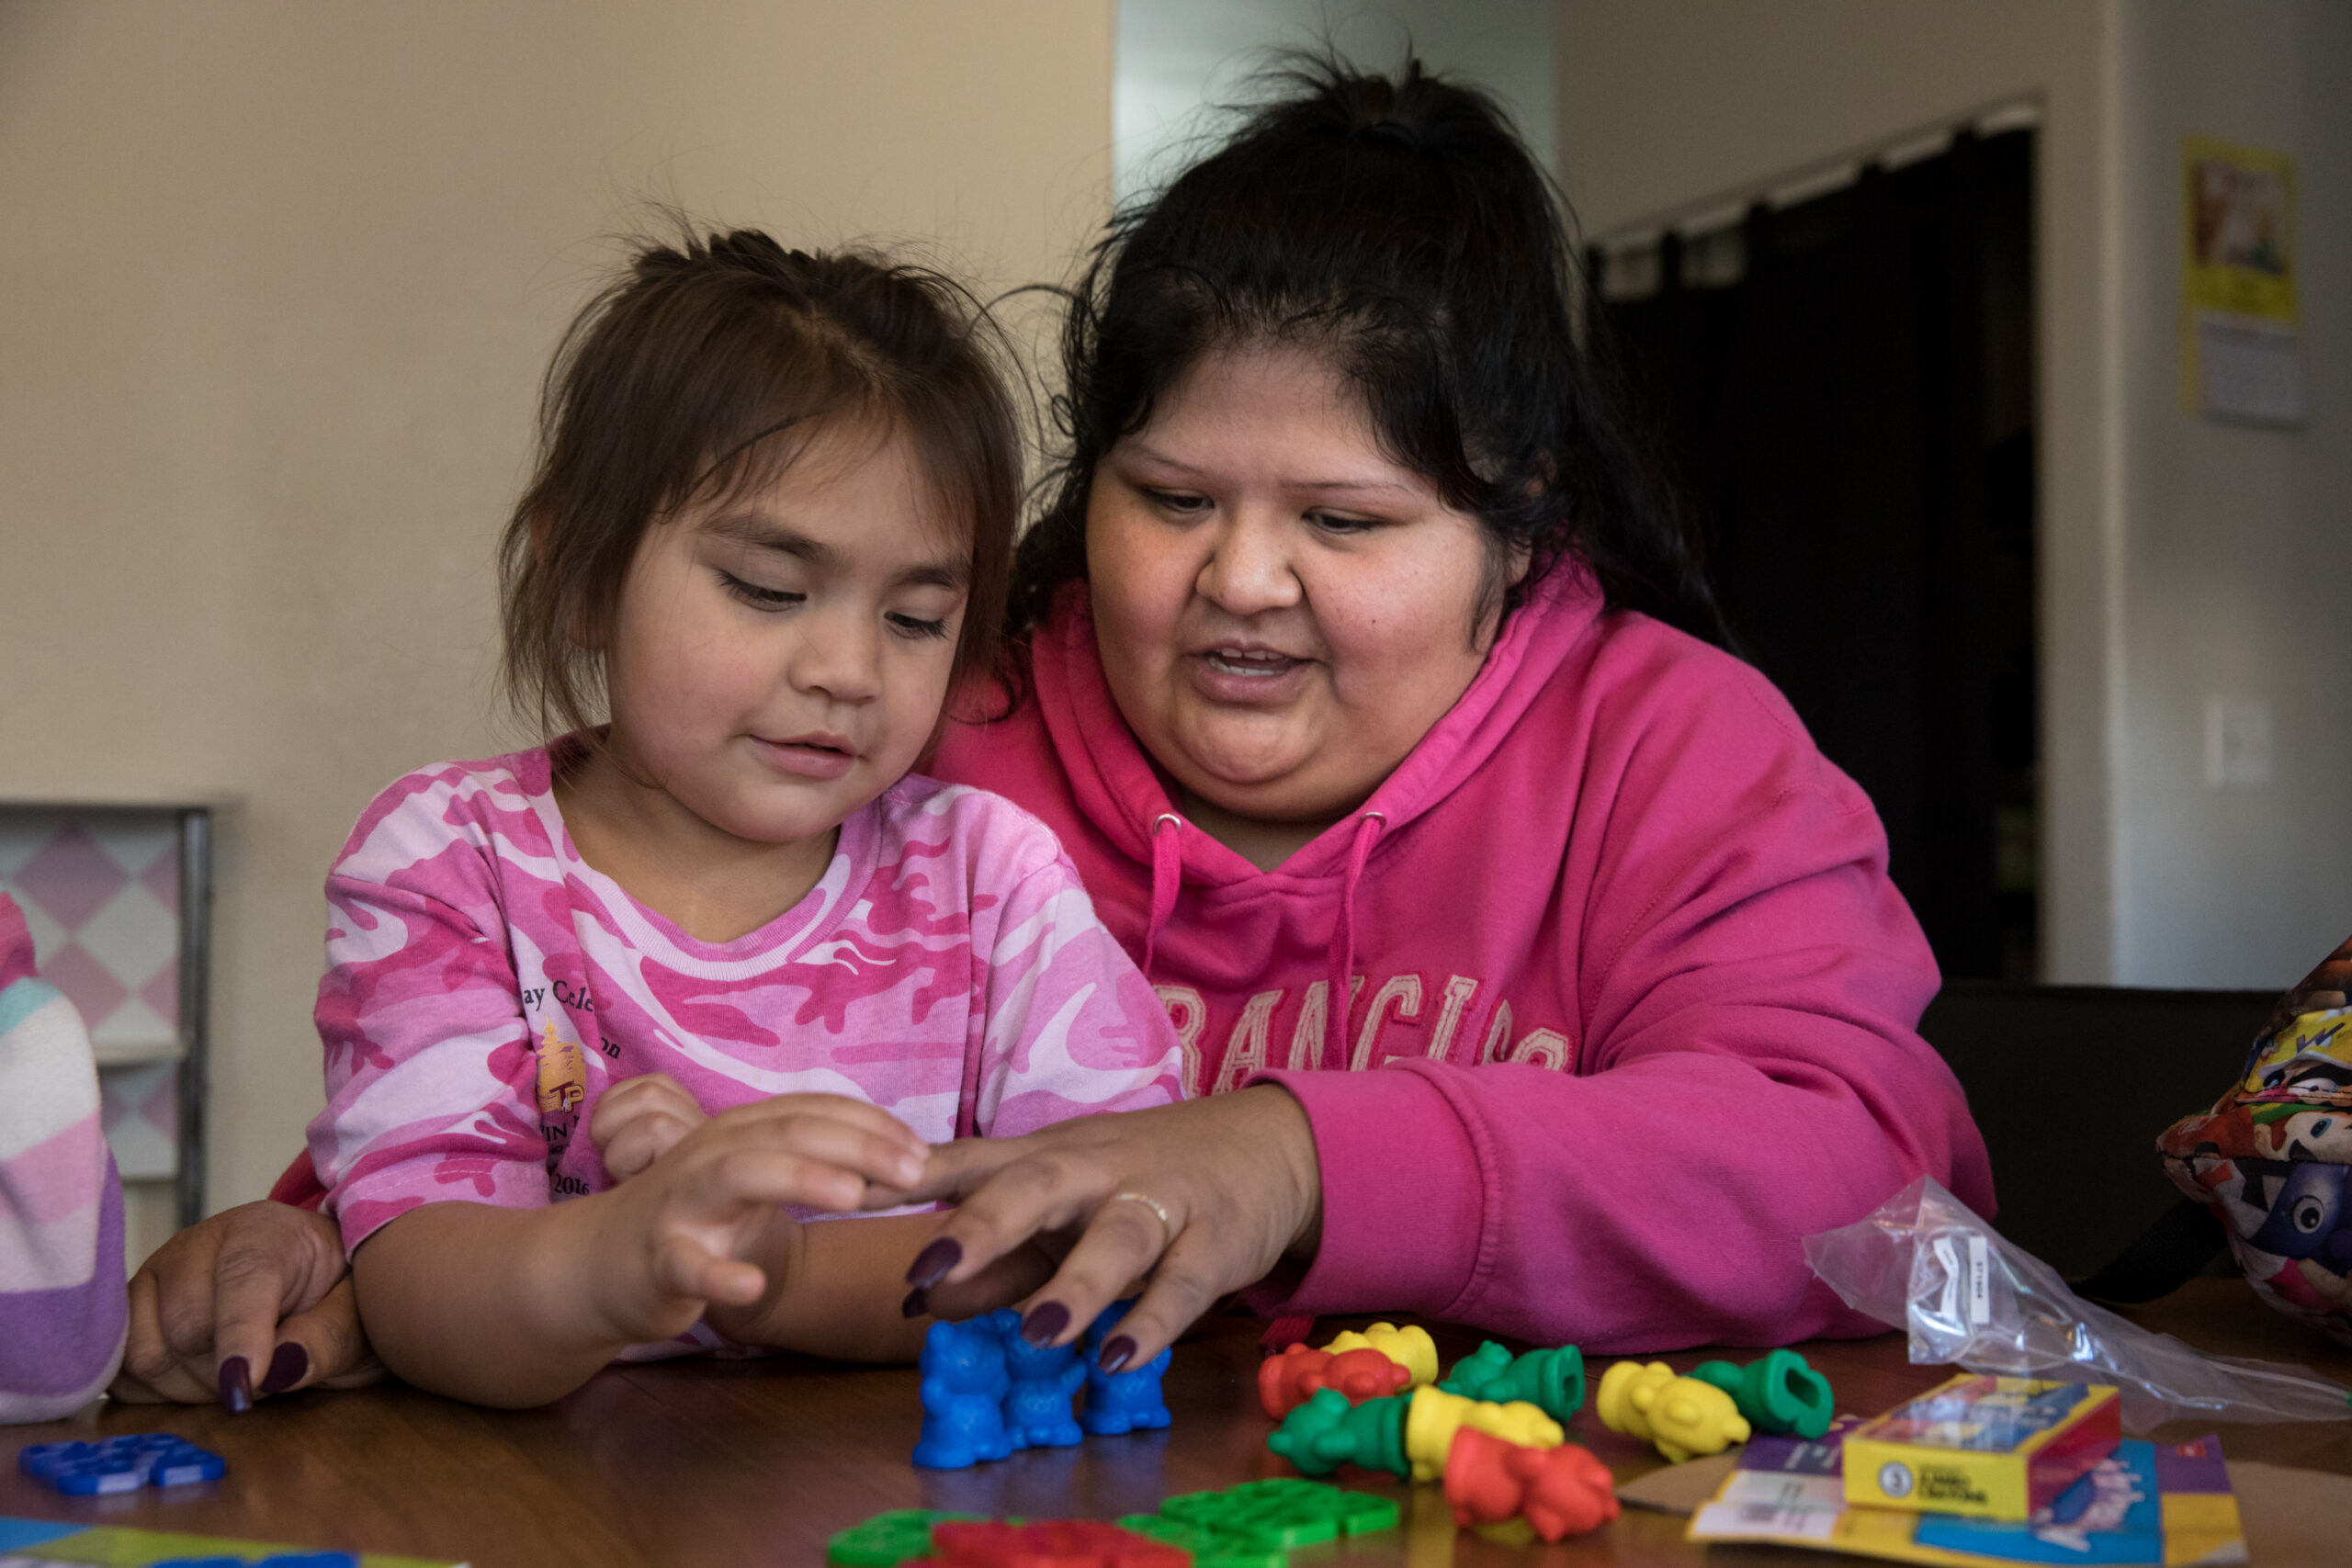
(1949, 1309)
(1980, 1280)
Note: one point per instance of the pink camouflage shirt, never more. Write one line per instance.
(484, 984)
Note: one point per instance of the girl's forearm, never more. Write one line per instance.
(838, 1292)
(499, 1306)
(489, 1305)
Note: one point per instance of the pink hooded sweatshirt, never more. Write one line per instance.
(1633, 1002)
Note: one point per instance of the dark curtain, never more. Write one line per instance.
(1846, 392)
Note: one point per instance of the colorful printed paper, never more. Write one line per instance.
(50, 1543)
(2240, 355)
(2157, 1505)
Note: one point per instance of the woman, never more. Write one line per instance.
(1535, 970)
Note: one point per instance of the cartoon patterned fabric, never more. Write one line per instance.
(2273, 1157)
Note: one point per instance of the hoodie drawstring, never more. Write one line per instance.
(1343, 950)
(1166, 879)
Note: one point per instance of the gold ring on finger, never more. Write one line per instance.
(1167, 1226)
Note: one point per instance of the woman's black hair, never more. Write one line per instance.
(1402, 229)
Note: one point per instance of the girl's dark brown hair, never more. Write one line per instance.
(703, 371)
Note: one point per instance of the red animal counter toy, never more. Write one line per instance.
(1290, 1380)
(1550, 1493)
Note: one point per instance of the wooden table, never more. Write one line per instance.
(758, 1462)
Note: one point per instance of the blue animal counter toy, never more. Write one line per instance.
(1037, 1402)
(1127, 1400)
(987, 1391)
(965, 1380)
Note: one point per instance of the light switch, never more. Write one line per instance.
(2237, 742)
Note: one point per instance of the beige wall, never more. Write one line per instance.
(280, 280)
(2237, 540)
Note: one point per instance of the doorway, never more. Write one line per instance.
(1844, 385)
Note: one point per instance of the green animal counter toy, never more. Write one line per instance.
(1779, 1394)
(1326, 1432)
(1551, 1381)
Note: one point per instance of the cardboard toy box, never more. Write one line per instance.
(1985, 1447)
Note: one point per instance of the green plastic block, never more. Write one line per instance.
(1191, 1506)
(1255, 1524)
(1360, 1513)
(1265, 1530)
(1283, 1486)
(1210, 1549)
(888, 1539)
(1293, 1524)
(1265, 1522)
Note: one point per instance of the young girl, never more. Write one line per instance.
(770, 529)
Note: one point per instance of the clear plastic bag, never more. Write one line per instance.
(1924, 1262)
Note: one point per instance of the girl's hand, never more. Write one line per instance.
(673, 1242)
(639, 1118)
(1235, 1176)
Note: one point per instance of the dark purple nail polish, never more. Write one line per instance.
(934, 1262)
(236, 1385)
(1044, 1320)
(917, 1304)
(287, 1367)
(1118, 1353)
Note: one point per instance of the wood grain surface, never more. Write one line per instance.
(758, 1462)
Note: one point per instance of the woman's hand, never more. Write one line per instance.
(254, 1301)
(1235, 1175)
(676, 1241)
(638, 1120)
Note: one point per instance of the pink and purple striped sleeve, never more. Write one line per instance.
(62, 1308)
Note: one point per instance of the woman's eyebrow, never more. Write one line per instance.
(1348, 485)
(1355, 487)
